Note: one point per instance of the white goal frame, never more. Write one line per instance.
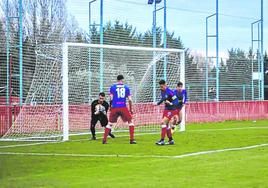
(65, 89)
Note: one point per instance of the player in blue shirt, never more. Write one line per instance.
(182, 98)
(171, 103)
(119, 93)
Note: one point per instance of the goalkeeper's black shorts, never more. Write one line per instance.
(101, 117)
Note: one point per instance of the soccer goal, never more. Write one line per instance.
(68, 77)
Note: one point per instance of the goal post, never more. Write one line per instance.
(133, 49)
(65, 92)
(67, 79)
(182, 78)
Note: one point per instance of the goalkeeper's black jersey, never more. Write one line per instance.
(104, 107)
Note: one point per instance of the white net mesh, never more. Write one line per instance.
(41, 116)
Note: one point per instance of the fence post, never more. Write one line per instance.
(203, 93)
(244, 92)
(10, 92)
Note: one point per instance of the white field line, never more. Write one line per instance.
(138, 134)
(226, 129)
(221, 150)
(136, 156)
(31, 144)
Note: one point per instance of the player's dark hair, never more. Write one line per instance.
(120, 77)
(102, 94)
(162, 82)
(179, 84)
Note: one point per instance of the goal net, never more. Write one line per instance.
(68, 77)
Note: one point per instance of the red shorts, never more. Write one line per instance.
(170, 113)
(120, 112)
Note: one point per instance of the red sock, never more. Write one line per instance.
(131, 132)
(163, 133)
(169, 134)
(106, 132)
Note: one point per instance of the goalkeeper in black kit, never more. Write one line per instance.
(99, 109)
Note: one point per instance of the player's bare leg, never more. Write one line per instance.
(131, 132)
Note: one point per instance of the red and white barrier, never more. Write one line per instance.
(48, 118)
(222, 111)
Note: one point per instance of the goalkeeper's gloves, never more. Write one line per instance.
(97, 113)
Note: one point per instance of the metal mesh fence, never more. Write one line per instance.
(53, 22)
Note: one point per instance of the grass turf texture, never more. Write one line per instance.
(244, 168)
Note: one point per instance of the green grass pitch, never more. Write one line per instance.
(84, 163)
